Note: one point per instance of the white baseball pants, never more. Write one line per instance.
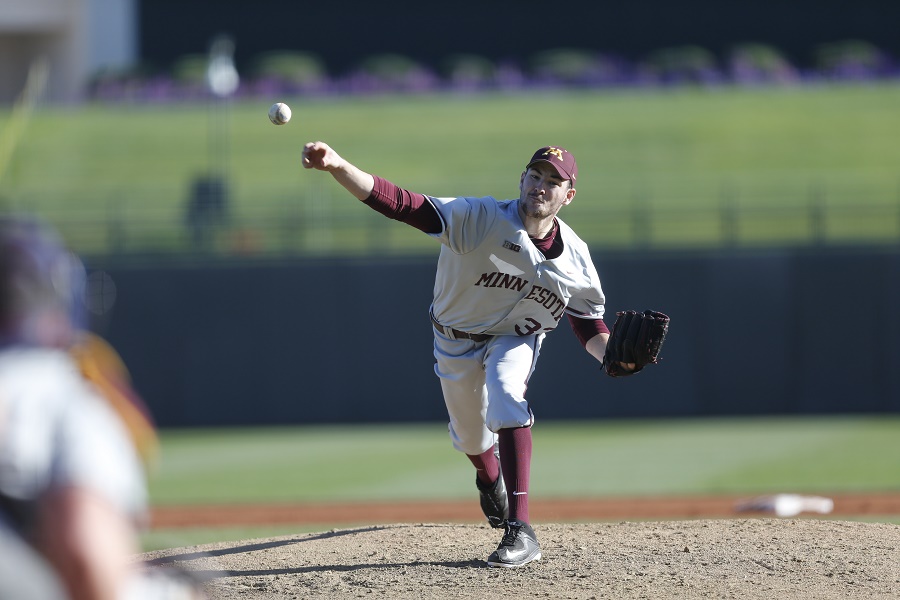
(484, 386)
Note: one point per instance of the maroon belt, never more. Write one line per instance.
(456, 334)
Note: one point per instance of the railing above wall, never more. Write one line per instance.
(286, 224)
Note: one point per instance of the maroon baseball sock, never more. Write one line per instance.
(487, 465)
(515, 460)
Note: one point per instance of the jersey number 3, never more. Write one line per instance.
(532, 327)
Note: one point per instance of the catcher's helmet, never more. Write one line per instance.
(41, 284)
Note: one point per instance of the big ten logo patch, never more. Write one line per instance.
(511, 246)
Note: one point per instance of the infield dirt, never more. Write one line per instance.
(748, 558)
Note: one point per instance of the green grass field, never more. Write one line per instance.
(818, 455)
(120, 174)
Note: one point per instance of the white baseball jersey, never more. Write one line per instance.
(492, 279)
(55, 430)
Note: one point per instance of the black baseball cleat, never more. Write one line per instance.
(494, 503)
(518, 547)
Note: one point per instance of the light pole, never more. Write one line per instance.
(209, 194)
(222, 79)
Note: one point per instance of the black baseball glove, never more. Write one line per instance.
(635, 338)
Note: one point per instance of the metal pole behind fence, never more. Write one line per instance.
(817, 220)
(728, 208)
(640, 221)
(116, 224)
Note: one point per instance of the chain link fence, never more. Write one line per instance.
(320, 221)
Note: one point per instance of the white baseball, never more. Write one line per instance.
(280, 113)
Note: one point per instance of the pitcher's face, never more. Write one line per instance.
(542, 192)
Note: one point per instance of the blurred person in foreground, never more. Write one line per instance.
(72, 485)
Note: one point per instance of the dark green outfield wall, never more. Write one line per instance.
(767, 332)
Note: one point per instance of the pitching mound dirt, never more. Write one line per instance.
(746, 558)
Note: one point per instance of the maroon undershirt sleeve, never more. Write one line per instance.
(401, 205)
(585, 329)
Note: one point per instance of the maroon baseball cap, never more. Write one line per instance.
(561, 159)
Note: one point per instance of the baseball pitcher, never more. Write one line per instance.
(507, 273)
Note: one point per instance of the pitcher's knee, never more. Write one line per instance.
(472, 442)
(508, 416)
